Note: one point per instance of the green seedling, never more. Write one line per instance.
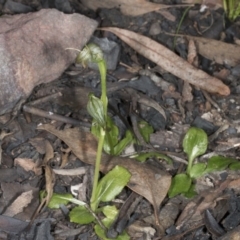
(232, 9)
(195, 144)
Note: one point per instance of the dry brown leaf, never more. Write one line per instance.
(187, 92)
(169, 61)
(39, 144)
(50, 180)
(147, 181)
(43, 146)
(132, 8)
(65, 155)
(220, 52)
(193, 212)
(214, 4)
(209, 3)
(19, 204)
(49, 152)
(28, 165)
(192, 53)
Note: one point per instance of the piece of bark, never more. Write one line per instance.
(33, 50)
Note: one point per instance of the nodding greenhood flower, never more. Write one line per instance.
(91, 53)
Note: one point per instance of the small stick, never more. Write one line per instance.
(54, 116)
(45, 99)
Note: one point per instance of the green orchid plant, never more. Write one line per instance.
(107, 133)
(108, 187)
(195, 144)
(232, 9)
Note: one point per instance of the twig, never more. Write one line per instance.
(45, 99)
(54, 116)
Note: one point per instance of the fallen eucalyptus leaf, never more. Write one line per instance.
(50, 180)
(169, 61)
(132, 8)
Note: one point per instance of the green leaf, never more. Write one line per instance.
(101, 234)
(234, 166)
(197, 170)
(145, 130)
(123, 143)
(181, 183)
(96, 110)
(58, 199)
(111, 213)
(81, 215)
(142, 157)
(195, 143)
(191, 192)
(112, 145)
(218, 163)
(95, 129)
(112, 184)
(111, 137)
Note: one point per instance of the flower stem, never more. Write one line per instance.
(103, 73)
(94, 202)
